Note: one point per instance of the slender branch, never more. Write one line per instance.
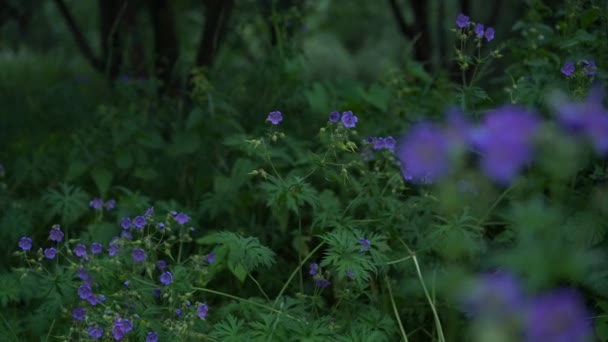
(79, 37)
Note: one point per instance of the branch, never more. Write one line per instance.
(406, 31)
(81, 41)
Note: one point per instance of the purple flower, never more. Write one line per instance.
(505, 142)
(494, 295)
(275, 117)
(161, 226)
(166, 278)
(126, 235)
(113, 249)
(56, 234)
(568, 69)
(378, 143)
(161, 264)
(139, 222)
(111, 204)
(367, 154)
(489, 34)
(139, 255)
(84, 291)
(121, 328)
(96, 203)
(80, 250)
(149, 212)
(202, 310)
(178, 312)
(424, 154)
(365, 244)
(334, 117)
(462, 21)
(94, 300)
(25, 243)
(350, 274)
(558, 316)
(479, 30)
(322, 283)
(83, 274)
(152, 337)
(590, 68)
(182, 218)
(125, 223)
(79, 313)
(50, 253)
(314, 269)
(96, 248)
(95, 333)
(211, 257)
(349, 120)
(389, 143)
(127, 283)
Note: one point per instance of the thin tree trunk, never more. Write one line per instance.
(216, 21)
(165, 42)
(110, 15)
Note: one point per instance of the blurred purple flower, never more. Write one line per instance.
(121, 328)
(568, 69)
(424, 154)
(505, 142)
(79, 313)
(462, 20)
(113, 249)
(314, 269)
(139, 255)
(178, 312)
(126, 235)
(56, 234)
(589, 67)
(110, 204)
(479, 30)
(322, 283)
(494, 295)
(96, 203)
(139, 222)
(365, 244)
(149, 212)
(127, 283)
(83, 274)
(202, 311)
(152, 337)
(84, 291)
(349, 120)
(96, 248)
(275, 117)
(95, 333)
(125, 223)
(211, 257)
(350, 274)
(50, 253)
(389, 143)
(161, 264)
(25, 243)
(182, 218)
(558, 316)
(489, 34)
(334, 117)
(378, 143)
(80, 250)
(166, 278)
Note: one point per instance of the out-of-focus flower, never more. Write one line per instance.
(139, 255)
(479, 30)
(79, 313)
(489, 34)
(568, 69)
(314, 269)
(462, 21)
(590, 68)
(80, 250)
(96, 203)
(110, 204)
(275, 117)
(125, 223)
(494, 296)
(334, 117)
(56, 234)
(202, 310)
(50, 253)
(349, 120)
(25, 243)
(166, 278)
(96, 248)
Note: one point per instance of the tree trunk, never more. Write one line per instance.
(216, 21)
(165, 42)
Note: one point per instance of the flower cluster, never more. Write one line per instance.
(587, 68)
(379, 143)
(97, 203)
(318, 277)
(558, 315)
(504, 142)
(348, 119)
(463, 22)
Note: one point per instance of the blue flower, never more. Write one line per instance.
(96, 203)
(152, 337)
(110, 205)
(56, 234)
(25, 243)
(365, 244)
(322, 283)
(568, 69)
(275, 117)
(479, 30)
(95, 333)
(80, 250)
(166, 278)
(349, 120)
(50, 253)
(96, 248)
(211, 257)
(462, 20)
(139, 222)
(314, 269)
(125, 223)
(202, 311)
(182, 218)
(334, 117)
(489, 34)
(79, 313)
(139, 254)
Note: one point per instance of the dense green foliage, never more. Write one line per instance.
(301, 230)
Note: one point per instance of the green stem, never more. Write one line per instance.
(493, 206)
(428, 297)
(202, 289)
(293, 274)
(259, 287)
(390, 293)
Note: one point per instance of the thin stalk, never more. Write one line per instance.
(259, 287)
(293, 274)
(428, 297)
(390, 293)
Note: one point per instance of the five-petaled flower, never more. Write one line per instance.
(139, 222)
(95, 332)
(166, 278)
(275, 117)
(479, 30)
(125, 223)
(334, 117)
(25, 243)
(110, 204)
(96, 203)
(462, 20)
(152, 337)
(139, 255)
(50, 253)
(489, 34)
(349, 120)
(56, 234)
(568, 69)
(96, 248)
(365, 244)
(80, 250)
(182, 218)
(79, 313)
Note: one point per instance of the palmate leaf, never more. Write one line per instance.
(241, 254)
(230, 329)
(291, 193)
(68, 202)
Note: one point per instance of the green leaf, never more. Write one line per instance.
(102, 179)
(75, 169)
(184, 144)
